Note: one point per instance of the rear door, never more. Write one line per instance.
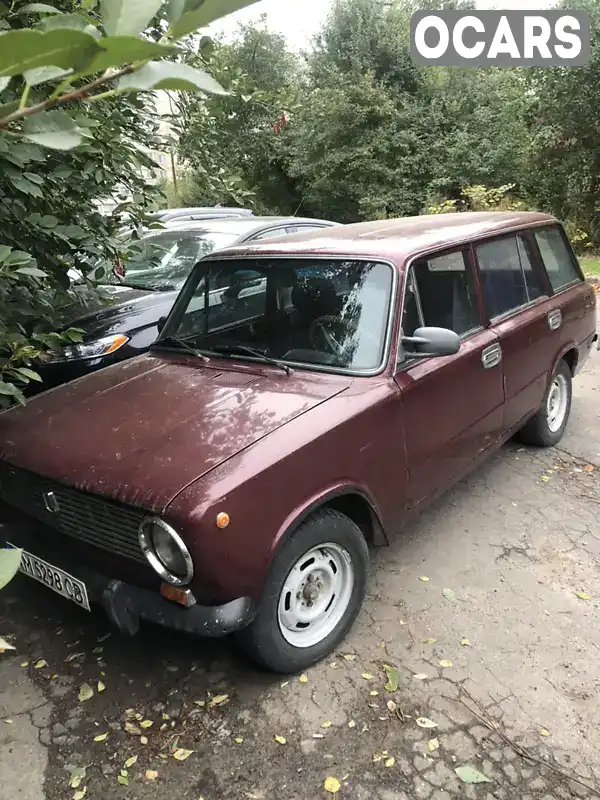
(515, 295)
(452, 406)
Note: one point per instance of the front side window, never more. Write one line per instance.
(322, 312)
(508, 279)
(440, 293)
(557, 258)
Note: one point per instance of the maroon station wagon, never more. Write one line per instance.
(306, 396)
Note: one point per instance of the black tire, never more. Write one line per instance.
(537, 431)
(263, 640)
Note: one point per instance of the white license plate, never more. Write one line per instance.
(53, 577)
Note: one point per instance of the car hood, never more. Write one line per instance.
(99, 316)
(142, 430)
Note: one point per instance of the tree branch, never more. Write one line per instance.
(76, 94)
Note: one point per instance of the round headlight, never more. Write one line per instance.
(165, 551)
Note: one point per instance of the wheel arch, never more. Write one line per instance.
(352, 501)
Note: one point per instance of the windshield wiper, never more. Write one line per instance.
(180, 344)
(232, 349)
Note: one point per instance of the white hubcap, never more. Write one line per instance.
(556, 405)
(315, 595)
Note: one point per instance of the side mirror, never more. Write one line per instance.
(431, 342)
(161, 324)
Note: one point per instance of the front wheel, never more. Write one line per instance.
(314, 591)
(548, 426)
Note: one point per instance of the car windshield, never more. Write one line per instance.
(166, 259)
(322, 312)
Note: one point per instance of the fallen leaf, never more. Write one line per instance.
(164, 716)
(40, 664)
(429, 641)
(172, 668)
(449, 594)
(85, 692)
(101, 687)
(303, 678)
(80, 794)
(147, 723)
(331, 785)
(138, 716)
(101, 639)
(420, 676)
(471, 775)
(326, 724)
(131, 761)
(77, 775)
(583, 595)
(392, 706)
(349, 656)
(374, 693)
(25, 664)
(219, 699)
(545, 478)
(280, 739)
(433, 744)
(4, 645)
(97, 650)
(390, 762)
(200, 703)
(181, 754)
(238, 739)
(381, 644)
(131, 728)
(425, 722)
(544, 732)
(393, 678)
(123, 780)
(8, 722)
(101, 737)
(424, 578)
(589, 468)
(377, 757)
(151, 774)
(143, 740)
(367, 676)
(318, 736)
(352, 724)
(334, 665)
(445, 663)
(73, 656)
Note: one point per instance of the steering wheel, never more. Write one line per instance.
(328, 334)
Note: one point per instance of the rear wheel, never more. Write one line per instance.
(548, 426)
(314, 591)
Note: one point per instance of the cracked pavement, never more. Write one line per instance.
(514, 543)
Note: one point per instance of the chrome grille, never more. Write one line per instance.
(80, 515)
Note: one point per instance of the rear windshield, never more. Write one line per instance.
(321, 312)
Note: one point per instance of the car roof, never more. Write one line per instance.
(393, 239)
(207, 211)
(242, 226)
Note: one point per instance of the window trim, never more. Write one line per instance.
(536, 264)
(186, 293)
(572, 255)
(465, 248)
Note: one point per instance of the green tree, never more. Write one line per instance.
(73, 130)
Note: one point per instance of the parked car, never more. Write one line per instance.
(169, 215)
(125, 322)
(306, 396)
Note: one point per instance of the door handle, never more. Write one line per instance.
(554, 319)
(491, 356)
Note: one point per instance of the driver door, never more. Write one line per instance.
(452, 406)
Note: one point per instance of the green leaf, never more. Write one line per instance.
(29, 374)
(18, 257)
(38, 8)
(10, 557)
(74, 21)
(167, 75)
(43, 74)
(11, 390)
(4, 81)
(48, 221)
(33, 272)
(188, 15)
(471, 775)
(74, 334)
(53, 129)
(5, 251)
(393, 678)
(128, 16)
(26, 49)
(119, 50)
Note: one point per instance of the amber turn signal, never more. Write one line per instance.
(222, 520)
(177, 595)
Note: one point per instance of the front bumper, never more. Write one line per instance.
(127, 605)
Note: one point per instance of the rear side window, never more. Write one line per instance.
(557, 258)
(508, 279)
